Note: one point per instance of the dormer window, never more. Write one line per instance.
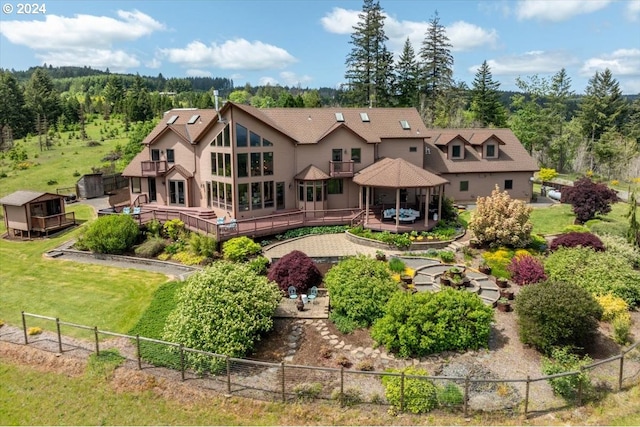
(490, 151)
(456, 151)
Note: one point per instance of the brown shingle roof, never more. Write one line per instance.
(397, 173)
(311, 173)
(22, 197)
(134, 168)
(512, 155)
(311, 125)
(189, 132)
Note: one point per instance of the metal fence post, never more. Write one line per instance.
(24, 328)
(466, 395)
(580, 387)
(620, 375)
(341, 385)
(402, 391)
(228, 375)
(284, 397)
(526, 396)
(138, 352)
(95, 332)
(181, 362)
(59, 335)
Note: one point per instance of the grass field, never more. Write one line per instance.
(63, 164)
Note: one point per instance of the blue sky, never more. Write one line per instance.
(306, 42)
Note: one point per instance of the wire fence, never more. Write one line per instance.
(289, 382)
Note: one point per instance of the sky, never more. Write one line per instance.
(306, 42)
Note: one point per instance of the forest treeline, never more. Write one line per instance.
(596, 131)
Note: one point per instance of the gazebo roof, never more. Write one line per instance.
(311, 173)
(397, 173)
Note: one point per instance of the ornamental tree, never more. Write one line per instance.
(359, 288)
(500, 220)
(295, 269)
(526, 269)
(577, 238)
(588, 199)
(223, 309)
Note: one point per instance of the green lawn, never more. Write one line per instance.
(110, 298)
(68, 156)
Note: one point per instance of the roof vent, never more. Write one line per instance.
(193, 119)
(405, 124)
(339, 117)
(364, 117)
(172, 120)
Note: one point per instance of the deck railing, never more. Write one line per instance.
(52, 222)
(341, 169)
(153, 167)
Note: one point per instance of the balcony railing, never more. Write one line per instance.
(52, 222)
(153, 167)
(341, 169)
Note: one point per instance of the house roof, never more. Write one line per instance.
(397, 173)
(311, 173)
(22, 197)
(512, 156)
(190, 132)
(134, 168)
(311, 125)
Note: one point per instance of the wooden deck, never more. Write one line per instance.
(46, 224)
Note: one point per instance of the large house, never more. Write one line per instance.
(243, 162)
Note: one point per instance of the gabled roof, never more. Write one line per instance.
(311, 173)
(311, 125)
(189, 132)
(181, 170)
(134, 168)
(22, 197)
(397, 173)
(445, 137)
(512, 156)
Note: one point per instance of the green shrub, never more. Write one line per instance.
(307, 391)
(620, 247)
(426, 323)
(396, 265)
(598, 272)
(259, 265)
(240, 249)
(359, 287)
(154, 228)
(202, 245)
(447, 256)
(420, 395)
(600, 227)
(150, 248)
(449, 395)
(350, 396)
(554, 315)
(563, 360)
(223, 309)
(306, 231)
(621, 328)
(612, 307)
(173, 228)
(188, 258)
(111, 234)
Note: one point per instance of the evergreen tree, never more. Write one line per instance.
(485, 104)
(369, 64)
(436, 67)
(138, 102)
(43, 100)
(14, 120)
(558, 104)
(407, 72)
(113, 94)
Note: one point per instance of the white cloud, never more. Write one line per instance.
(198, 73)
(340, 21)
(238, 54)
(528, 63)
(270, 81)
(622, 62)
(292, 79)
(630, 86)
(155, 63)
(557, 10)
(633, 10)
(462, 35)
(115, 60)
(60, 33)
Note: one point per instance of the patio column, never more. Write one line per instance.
(366, 210)
(360, 197)
(426, 208)
(397, 208)
(440, 194)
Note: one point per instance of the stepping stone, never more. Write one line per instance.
(324, 333)
(368, 351)
(347, 347)
(335, 337)
(333, 342)
(325, 337)
(291, 352)
(288, 358)
(340, 345)
(292, 338)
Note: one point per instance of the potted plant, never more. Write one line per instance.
(503, 304)
(380, 256)
(502, 282)
(484, 269)
(506, 293)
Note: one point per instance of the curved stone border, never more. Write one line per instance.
(415, 246)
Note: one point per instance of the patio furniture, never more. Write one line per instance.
(126, 210)
(220, 220)
(293, 294)
(313, 294)
(137, 210)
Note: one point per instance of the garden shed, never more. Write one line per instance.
(27, 212)
(90, 186)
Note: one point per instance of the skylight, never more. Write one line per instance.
(339, 117)
(405, 124)
(364, 117)
(172, 120)
(193, 119)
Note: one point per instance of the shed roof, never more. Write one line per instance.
(22, 197)
(397, 173)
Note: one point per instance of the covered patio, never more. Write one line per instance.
(400, 176)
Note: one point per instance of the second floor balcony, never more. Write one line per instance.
(154, 167)
(341, 169)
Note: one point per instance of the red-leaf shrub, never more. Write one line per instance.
(526, 269)
(295, 269)
(588, 199)
(576, 238)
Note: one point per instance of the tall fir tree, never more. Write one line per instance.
(485, 102)
(43, 100)
(14, 118)
(369, 64)
(407, 71)
(436, 68)
(560, 94)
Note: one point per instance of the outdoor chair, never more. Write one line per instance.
(137, 210)
(126, 210)
(220, 220)
(293, 294)
(313, 294)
